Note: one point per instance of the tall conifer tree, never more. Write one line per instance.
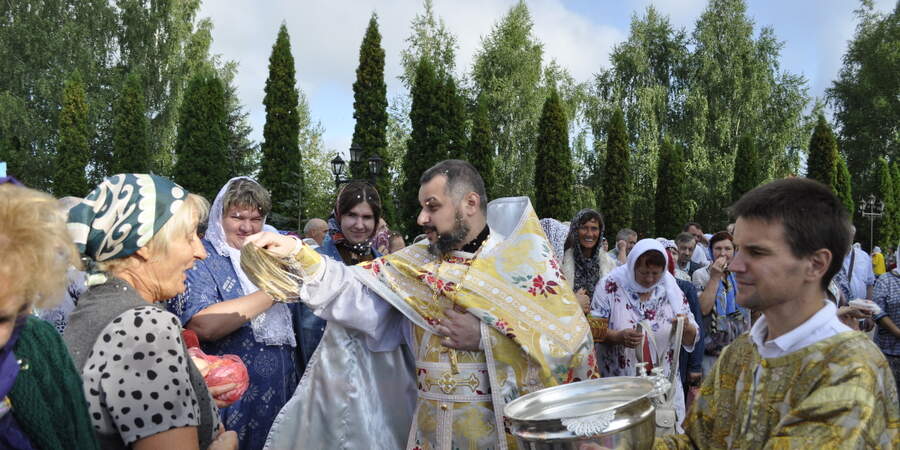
(200, 146)
(554, 180)
(481, 146)
(280, 166)
(748, 168)
(131, 151)
(73, 151)
(455, 114)
(671, 210)
(615, 196)
(884, 227)
(843, 185)
(425, 146)
(822, 162)
(370, 111)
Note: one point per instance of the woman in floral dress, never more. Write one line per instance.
(642, 291)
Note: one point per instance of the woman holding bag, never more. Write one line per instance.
(642, 301)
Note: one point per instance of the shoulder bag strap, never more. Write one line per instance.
(852, 260)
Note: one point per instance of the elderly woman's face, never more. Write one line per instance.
(648, 275)
(723, 248)
(169, 270)
(589, 234)
(240, 222)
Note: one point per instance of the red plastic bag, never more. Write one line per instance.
(218, 370)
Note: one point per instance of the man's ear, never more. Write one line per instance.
(819, 262)
(471, 203)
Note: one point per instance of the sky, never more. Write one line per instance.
(579, 34)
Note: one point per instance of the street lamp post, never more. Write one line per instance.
(356, 157)
(871, 208)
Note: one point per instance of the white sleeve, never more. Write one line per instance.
(700, 279)
(685, 310)
(336, 294)
(699, 255)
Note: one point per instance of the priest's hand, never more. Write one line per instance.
(276, 243)
(461, 330)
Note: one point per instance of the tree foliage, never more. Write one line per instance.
(614, 198)
(507, 73)
(131, 149)
(481, 146)
(749, 168)
(866, 94)
(202, 132)
(554, 179)
(280, 170)
(672, 204)
(843, 185)
(427, 144)
(821, 164)
(243, 152)
(74, 151)
(429, 39)
(318, 182)
(885, 226)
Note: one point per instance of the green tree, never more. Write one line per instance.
(370, 111)
(13, 154)
(280, 170)
(74, 148)
(749, 169)
(131, 151)
(200, 149)
(672, 205)
(895, 177)
(615, 196)
(843, 185)
(243, 152)
(821, 165)
(884, 230)
(554, 179)
(429, 39)
(427, 144)
(481, 147)
(866, 95)
(454, 105)
(318, 187)
(507, 73)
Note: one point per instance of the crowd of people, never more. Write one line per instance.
(775, 332)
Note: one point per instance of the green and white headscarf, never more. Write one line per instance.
(122, 214)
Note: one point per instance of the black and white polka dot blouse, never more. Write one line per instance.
(136, 378)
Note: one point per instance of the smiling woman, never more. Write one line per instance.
(139, 233)
(230, 315)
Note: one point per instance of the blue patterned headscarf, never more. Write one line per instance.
(122, 214)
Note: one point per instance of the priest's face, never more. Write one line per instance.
(442, 218)
(767, 272)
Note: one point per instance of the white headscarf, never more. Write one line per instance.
(273, 326)
(875, 250)
(624, 274)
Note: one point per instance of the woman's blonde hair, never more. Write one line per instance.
(35, 246)
(183, 222)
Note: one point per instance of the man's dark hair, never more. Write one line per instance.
(688, 226)
(623, 234)
(685, 237)
(812, 216)
(462, 178)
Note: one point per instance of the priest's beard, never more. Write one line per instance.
(446, 242)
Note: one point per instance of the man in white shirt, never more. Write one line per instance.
(801, 378)
(701, 250)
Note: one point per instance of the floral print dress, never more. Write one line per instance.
(625, 310)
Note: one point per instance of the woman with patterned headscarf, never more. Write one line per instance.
(139, 234)
(232, 316)
(351, 232)
(584, 264)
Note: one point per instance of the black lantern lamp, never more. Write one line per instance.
(356, 153)
(375, 167)
(374, 164)
(337, 166)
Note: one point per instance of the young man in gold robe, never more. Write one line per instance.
(481, 306)
(800, 378)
